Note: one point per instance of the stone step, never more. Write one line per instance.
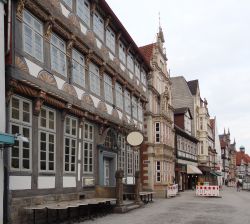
(132, 206)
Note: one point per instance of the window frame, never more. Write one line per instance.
(157, 132)
(110, 39)
(127, 100)
(85, 17)
(34, 31)
(98, 26)
(108, 88)
(59, 51)
(76, 75)
(71, 137)
(21, 124)
(94, 79)
(89, 141)
(47, 131)
(122, 53)
(119, 96)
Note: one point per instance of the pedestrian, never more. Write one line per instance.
(238, 185)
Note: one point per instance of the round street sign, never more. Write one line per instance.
(135, 138)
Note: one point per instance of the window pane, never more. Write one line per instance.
(15, 163)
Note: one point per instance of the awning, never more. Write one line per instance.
(6, 139)
(215, 173)
(193, 169)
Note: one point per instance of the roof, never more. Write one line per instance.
(182, 110)
(212, 123)
(242, 156)
(193, 86)
(104, 5)
(147, 51)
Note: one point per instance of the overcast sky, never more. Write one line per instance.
(207, 40)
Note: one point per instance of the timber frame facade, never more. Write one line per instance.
(76, 86)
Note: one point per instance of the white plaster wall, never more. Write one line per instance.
(65, 11)
(19, 182)
(69, 181)
(2, 104)
(34, 69)
(46, 182)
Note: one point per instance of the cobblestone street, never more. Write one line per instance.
(232, 208)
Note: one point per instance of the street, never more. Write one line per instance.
(232, 208)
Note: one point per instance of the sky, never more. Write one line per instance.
(207, 40)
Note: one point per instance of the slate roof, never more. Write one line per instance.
(193, 86)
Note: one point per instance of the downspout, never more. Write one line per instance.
(8, 28)
(6, 154)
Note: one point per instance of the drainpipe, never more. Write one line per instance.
(8, 28)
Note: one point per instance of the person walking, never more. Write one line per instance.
(238, 186)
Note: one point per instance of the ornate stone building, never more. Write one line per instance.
(158, 158)
(76, 87)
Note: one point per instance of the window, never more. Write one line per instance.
(83, 11)
(78, 69)
(140, 112)
(47, 140)
(88, 148)
(110, 39)
(129, 161)
(122, 53)
(94, 79)
(202, 148)
(118, 95)
(20, 123)
(157, 132)
(68, 3)
(121, 155)
(134, 107)
(70, 142)
(109, 140)
(130, 63)
(108, 89)
(32, 36)
(98, 26)
(143, 77)
(127, 102)
(58, 55)
(158, 171)
(201, 123)
(137, 160)
(137, 70)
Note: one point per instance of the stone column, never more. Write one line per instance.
(137, 187)
(119, 187)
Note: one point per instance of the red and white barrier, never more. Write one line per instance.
(172, 190)
(208, 191)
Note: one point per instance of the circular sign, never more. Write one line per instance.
(135, 138)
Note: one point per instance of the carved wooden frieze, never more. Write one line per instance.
(21, 64)
(125, 119)
(115, 114)
(19, 10)
(101, 107)
(47, 77)
(56, 4)
(74, 20)
(86, 99)
(69, 89)
(48, 28)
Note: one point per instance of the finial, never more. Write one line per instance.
(159, 19)
(228, 131)
(224, 131)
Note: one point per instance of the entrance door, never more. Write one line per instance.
(106, 172)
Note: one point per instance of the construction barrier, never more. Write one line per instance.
(246, 186)
(208, 191)
(172, 190)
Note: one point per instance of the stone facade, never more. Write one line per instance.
(76, 87)
(158, 158)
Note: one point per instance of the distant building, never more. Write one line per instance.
(158, 159)
(186, 147)
(243, 165)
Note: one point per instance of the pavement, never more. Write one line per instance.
(232, 208)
